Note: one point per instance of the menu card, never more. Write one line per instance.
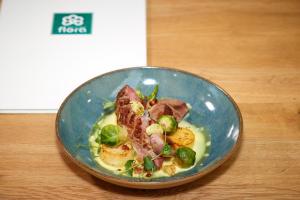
(49, 47)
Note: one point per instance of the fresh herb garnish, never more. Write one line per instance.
(139, 93)
(128, 167)
(166, 151)
(153, 93)
(98, 139)
(109, 106)
(148, 164)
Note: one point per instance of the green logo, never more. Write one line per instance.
(72, 23)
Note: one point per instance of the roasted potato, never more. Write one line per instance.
(116, 156)
(182, 137)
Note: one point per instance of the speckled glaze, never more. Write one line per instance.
(212, 107)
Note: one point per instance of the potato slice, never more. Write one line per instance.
(182, 137)
(169, 169)
(116, 156)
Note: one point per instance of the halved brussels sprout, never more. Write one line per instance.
(186, 156)
(113, 135)
(168, 123)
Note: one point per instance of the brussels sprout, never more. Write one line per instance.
(148, 164)
(168, 123)
(154, 129)
(112, 135)
(187, 156)
(137, 108)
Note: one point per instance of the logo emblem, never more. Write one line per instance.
(72, 23)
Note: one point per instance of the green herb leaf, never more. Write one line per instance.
(166, 151)
(109, 106)
(98, 139)
(95, 128)
(153, 94)
(128, 167)
(148, 164)
(139, 93)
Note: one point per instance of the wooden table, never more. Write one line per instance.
(250, 48)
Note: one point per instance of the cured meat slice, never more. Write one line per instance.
(173, 107)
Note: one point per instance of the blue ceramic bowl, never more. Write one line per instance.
(219, 114)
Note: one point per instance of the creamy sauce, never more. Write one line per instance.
(200, 146)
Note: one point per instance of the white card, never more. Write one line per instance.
(42, 61)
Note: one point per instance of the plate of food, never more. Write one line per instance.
(149, 127)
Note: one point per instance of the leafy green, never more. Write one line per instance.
(128, 167)
(148, 164)
(109, 106)
(139, 93)
(167, 150)
(96, 127)
(98, 139)
(96, 130)
(153, 93)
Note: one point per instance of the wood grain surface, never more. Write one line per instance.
(250, 48)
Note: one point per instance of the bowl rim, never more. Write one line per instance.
(150, 184)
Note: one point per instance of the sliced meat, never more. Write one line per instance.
(173, 107)
(158, 162)
(128, 92)
(125, 115)
(159, 109)
(136, 125)
(140, 140)
(157, 143)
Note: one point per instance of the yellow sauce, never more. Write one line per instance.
(201, 144)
